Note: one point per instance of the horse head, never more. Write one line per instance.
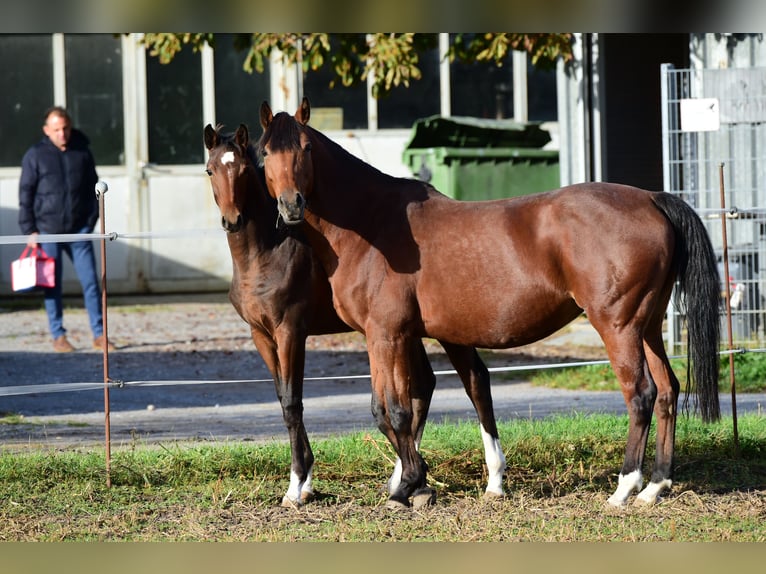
(287, 162)
(229, 168)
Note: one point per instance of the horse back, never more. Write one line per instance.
(537, 261)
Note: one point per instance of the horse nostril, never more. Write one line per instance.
(299, 201)
(232, 227)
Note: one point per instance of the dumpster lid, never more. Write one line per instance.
(461, 131)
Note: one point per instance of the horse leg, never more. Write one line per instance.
(422, 393)
(475, 377)
(665, 407)
(393, 363)
(626, 355)
(285, 359)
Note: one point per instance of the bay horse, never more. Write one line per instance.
(281, 291)
(405, 262)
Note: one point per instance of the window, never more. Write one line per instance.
(541, 94)
(94, 93)
(485, 90)
(482, 89)
(404, 105)
(175, 109)
(337, 107)
(238, 94)
(27, 65)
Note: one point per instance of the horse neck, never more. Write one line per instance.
(347, 189)
(259, 233)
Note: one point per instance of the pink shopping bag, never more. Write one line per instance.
(32, 270)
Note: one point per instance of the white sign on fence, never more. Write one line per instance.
(700, 115)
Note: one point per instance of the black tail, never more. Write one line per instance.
(698, 296)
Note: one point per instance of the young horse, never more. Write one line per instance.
(282, 292)
(405, 262)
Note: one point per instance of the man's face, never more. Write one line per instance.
(58, 130)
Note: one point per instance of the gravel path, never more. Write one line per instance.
(201, 340)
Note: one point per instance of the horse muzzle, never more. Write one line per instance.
(230, 227)
(291, 210)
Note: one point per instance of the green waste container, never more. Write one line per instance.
(476, 159)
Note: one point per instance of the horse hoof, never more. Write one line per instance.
(490, 496)
(306, 496)
(396, 504)
(615, 502)
(289, 503)
(645, 502)
(424, 497)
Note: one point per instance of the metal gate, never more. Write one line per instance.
(713, 118)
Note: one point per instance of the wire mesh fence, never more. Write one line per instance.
(714, 121)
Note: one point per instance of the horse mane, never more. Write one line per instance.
(281, 134)
(285, 130)
(252, 150)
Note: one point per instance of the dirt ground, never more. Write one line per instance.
(186, 370)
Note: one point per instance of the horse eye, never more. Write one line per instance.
(209, 171)
(307, 147)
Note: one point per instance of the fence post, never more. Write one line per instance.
(728, 307)
(101, 189)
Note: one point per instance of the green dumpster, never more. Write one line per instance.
(477, 159)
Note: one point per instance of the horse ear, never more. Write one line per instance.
(266, 115)
(241, 136)
(304, 112)
(211, 137)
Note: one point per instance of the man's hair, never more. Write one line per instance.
(57, 111)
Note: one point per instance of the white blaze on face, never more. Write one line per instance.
(227, 158)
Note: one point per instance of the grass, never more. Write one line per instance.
(560, 472)
(749, 372)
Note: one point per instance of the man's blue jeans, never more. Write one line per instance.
(84, 260)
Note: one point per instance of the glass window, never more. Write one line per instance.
(541, 94)
(27, 64)
(337, 107)
(482, 89)
(238, 94)
(174, 101)
(404, 105)
(94, 93)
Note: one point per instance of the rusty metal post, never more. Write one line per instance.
(724, 238)
(101, 189)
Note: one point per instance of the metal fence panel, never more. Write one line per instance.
(713, 118)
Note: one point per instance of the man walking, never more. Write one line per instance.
(57, 195)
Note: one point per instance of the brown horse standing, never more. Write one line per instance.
(405, 261)
(282, 292)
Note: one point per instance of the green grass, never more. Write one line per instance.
(749, 372)
(560, 472)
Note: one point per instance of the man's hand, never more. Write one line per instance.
(32, 240)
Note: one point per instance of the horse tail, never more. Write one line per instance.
(698, 297)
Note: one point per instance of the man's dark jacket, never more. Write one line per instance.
(57, 188)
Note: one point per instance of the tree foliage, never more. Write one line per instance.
(390, 59)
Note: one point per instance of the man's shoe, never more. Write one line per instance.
(98, 343)
(61, 345)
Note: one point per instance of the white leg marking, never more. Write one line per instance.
(228, 157)
(307, 490)
(396, 476)
(293, 494)
(495, 458)
(626, 484)
(652, 491)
